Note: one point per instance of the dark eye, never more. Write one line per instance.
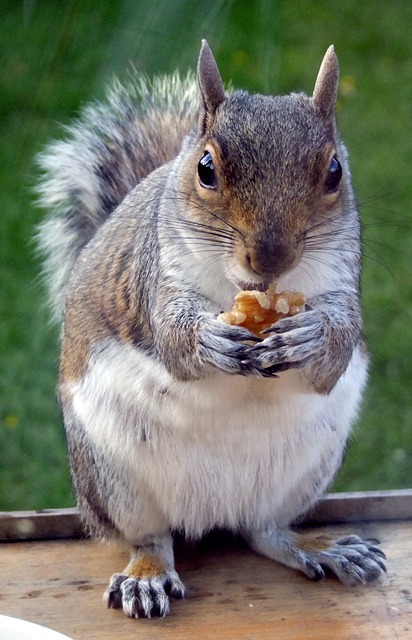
(334, 175)
(206, 171)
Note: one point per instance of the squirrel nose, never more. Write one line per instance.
(268, 258)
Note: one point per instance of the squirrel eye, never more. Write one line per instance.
(334, 175)
(206, 171)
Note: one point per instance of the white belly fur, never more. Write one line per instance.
(224, 451)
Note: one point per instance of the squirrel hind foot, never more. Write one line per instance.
(143, 597)
(351, 559)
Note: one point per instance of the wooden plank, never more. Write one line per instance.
(363, 506)
(335, 507)
(232, 593)
(39, 525)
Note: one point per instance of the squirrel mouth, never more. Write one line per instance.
(253, 286)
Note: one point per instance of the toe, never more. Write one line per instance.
(113, 595)
(130, 601)
(313, 570)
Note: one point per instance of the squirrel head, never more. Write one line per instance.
(266, 170)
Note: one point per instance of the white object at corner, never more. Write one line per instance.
(16, 629)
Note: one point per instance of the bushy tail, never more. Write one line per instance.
(107, 151)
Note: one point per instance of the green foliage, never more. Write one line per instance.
(57, 56)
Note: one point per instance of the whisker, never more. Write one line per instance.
(187, 197)
(308, 269)
(200, 228)
(313, 255)
(380, 196)
(387, 223)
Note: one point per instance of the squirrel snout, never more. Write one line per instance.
(268, 258)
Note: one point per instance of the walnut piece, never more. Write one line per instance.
(258, 310)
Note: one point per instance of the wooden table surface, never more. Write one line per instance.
(232, 593)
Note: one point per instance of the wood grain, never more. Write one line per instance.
(233, 593)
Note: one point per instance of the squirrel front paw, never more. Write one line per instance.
(293, 342)
(143, 597)
(227, 347)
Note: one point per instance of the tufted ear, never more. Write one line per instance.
(326, 86)
(211, 85)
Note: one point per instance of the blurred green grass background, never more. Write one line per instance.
(57, 56)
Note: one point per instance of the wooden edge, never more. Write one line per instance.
(362, 506)
(40, 525)
(359, 506)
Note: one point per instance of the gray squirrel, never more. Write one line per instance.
(165, 202)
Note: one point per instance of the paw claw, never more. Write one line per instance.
(177, 589)
(378, 552)
(112, 596)
(314, 571)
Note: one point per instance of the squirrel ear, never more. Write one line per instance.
(210, 83)
(326, 86)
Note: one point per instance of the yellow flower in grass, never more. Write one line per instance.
(11, 421)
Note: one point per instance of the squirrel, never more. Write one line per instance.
(167, 200)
